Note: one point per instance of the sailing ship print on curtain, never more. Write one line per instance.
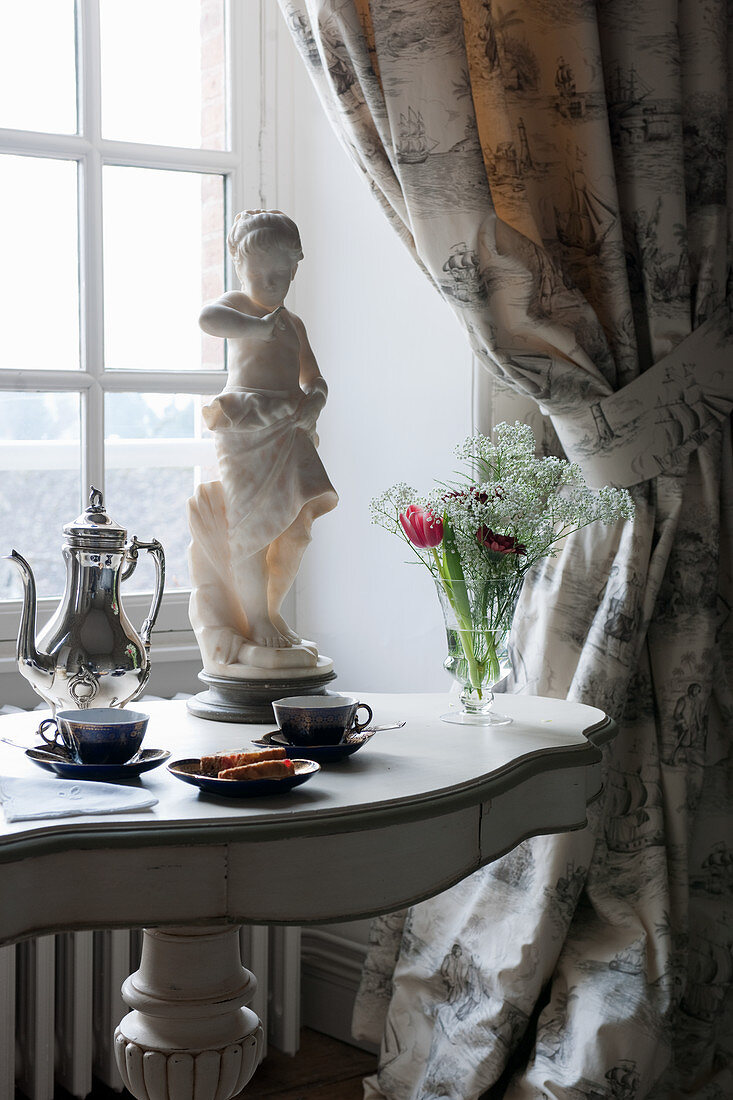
(413, 144)
(571, 203)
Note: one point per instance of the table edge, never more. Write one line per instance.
(85, 834)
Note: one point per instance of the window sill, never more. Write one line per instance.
(173, 615)
(167, 645)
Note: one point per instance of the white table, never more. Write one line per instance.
(414, 811)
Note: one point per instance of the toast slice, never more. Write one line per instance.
(221, 761)
(265, 769)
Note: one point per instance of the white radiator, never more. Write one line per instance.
(60, 1003)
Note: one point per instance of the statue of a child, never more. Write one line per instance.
(250, 530)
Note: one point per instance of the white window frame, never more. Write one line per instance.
(251, 33)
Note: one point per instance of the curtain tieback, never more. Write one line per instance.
(655, 422)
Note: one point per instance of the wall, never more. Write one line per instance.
(399, 370)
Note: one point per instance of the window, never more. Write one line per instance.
(120, 159)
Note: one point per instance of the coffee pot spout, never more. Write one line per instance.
(35, 666)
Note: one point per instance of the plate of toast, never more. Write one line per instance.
(245, 774)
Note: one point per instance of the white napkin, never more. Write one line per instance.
(33, 799)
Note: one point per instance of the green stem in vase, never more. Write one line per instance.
(453, 581)
(492, 660)
(474, 671)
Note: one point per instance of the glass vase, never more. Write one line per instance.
(478, 657)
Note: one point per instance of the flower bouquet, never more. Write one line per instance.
(481, 534)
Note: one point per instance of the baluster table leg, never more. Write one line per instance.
(188, 1034)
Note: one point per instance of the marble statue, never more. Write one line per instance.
(249, 530)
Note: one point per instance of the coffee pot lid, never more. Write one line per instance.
(94, 525)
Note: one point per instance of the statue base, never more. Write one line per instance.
(231, 700)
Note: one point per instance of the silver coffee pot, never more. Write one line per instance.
(89, 654)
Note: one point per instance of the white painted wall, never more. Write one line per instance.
(399, 370)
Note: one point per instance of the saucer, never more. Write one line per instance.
(188, 771)
(56, 760)
(322, 754)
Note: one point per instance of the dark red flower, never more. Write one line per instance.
(422, 528)
(499, 544)
(479, 495)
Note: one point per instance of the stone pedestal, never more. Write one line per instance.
(232, 700)
(188, 1034)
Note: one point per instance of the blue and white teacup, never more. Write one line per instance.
(99, 735)
(319, 719)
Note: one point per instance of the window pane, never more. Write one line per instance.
(163, 258)
(38, 66)
(39, 273)
(177, 93)
(156, 452)
(40, 486)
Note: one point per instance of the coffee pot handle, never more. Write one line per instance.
(158, 553)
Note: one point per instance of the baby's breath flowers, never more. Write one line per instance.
(481, 534)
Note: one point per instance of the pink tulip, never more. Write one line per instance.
(423, 529)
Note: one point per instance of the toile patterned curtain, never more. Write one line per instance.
(559, 169)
